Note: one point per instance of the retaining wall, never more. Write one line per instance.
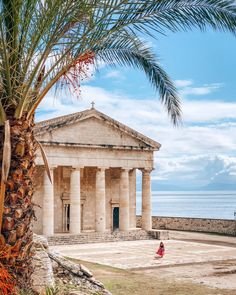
(94, 237)
(220, 226)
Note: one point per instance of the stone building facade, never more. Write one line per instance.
(93, 161)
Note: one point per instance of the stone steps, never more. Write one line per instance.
(94, 237)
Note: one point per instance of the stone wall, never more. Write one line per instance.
(84, 238)
(94, 237)
(51, 269)
(220, 226)
(42, 267)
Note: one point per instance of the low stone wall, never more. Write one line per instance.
(220, 226)
(94, 237)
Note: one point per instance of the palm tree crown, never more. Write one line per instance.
(44, 41)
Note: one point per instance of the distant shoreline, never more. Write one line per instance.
(192, 204)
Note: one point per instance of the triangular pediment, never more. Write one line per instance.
(92, 128)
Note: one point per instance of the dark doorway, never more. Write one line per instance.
(116, 218)
(68, 218)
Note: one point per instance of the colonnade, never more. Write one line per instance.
(127, 201)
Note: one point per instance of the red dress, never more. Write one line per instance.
(161, 251)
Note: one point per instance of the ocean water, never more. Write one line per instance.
(208, 204)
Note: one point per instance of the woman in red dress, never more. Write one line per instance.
(161, 250)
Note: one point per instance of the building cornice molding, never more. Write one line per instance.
(95, 146)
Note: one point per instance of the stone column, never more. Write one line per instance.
(100, 218)
(132, 198)
(75, 226)
(124, 200)
(146, 200)
(48, 204)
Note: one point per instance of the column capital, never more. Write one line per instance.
(126, 169)
(102, 168)
(146, 170)
(51, 167)
(74, 168)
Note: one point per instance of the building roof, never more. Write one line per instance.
(58, 122)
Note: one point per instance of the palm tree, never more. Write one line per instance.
(45, 42)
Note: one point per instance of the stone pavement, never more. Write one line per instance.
(140, 254)
(203, 238)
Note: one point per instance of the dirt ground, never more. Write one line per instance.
(216, 274)
(182, 280)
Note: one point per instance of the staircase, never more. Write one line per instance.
(95, 237)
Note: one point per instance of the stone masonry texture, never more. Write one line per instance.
(220, 226)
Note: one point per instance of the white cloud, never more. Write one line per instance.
(209, 129)
(187, 88)
(114, 74)
(208, 111)
(183, 83)
(197, 171)
(148, 117)
(203, 90)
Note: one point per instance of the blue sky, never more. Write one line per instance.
(202, 64)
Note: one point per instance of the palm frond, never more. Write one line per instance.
(175, 15)
(132, 52)
(41, 40)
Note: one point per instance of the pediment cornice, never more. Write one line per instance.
(59, 122)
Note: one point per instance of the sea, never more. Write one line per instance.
(198, 204)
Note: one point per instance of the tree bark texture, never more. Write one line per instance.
(18, 207)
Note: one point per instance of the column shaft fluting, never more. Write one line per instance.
(132, 198)
(100, 218)
(146, 200)
(75, 216)
(48, 205)
(124, 201)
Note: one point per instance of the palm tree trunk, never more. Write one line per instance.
(18, 206)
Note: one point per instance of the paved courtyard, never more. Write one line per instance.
(140, 254)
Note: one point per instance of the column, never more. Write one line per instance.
(48, 204)
(124, 200)
(100, 215)
(132, 198)
(146, 200)
(75, 226)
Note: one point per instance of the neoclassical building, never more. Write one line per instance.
(93, 161)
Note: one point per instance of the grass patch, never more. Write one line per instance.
(126, 282)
